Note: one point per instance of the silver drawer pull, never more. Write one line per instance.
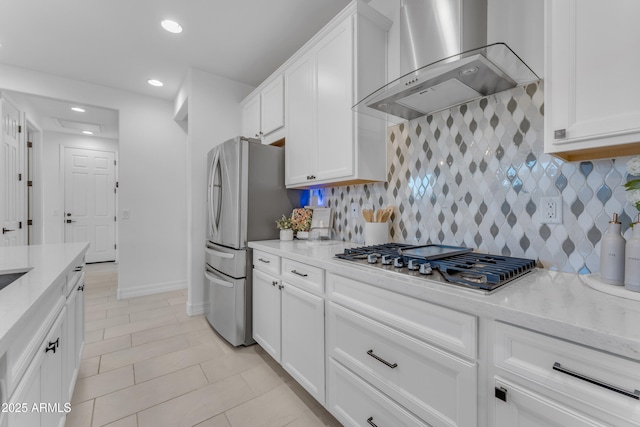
(371, 423)
(632, 394)
(299, 274)
(380, 359)
(266, 261)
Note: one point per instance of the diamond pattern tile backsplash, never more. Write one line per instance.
(474, 176)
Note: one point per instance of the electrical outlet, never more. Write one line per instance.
(551, 208)
(354, 210)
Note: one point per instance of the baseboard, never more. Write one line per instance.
(156, 288)
(197, 309)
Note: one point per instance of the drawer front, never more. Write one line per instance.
(587, 376)
(266, 262)
(447, 328)
(303, 275)
(355, 403)
(433, 384)
(525, 408)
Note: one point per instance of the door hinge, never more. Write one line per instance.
(19, 128)
(114, 163)
(115, 246)
(29, 183)
(29, 144)
(29, 222)
(19, 177)
(114, 218)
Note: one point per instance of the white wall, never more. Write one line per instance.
(213, 117)
(152, 176)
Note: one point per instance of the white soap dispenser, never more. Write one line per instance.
(632, 259)
(612, 254)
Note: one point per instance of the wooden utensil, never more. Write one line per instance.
(367, 214)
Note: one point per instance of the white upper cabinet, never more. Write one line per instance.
(326, 142)
(263, 112)
(591, 72)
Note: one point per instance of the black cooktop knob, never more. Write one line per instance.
(413, 265)
(372, 258)
(398, 262)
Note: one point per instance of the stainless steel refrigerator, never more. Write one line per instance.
(245, 195)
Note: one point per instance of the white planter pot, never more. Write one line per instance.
(286, 234)
(302, 235)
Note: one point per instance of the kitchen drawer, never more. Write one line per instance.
(74, 278)
(304, 275)
(437, 386)
(447, 328)
(355, 403)
(589, 378)
(266, 262)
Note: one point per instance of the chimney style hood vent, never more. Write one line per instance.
(430, 30)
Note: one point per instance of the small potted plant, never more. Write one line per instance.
(301, 222)
(284, 225)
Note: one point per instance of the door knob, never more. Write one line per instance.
(6, 230)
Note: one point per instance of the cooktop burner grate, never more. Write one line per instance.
(456, 265)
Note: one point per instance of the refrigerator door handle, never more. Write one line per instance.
(218, 253)
(217, 281)
(214, 211)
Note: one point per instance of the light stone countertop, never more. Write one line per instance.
(47, 262)
(550, 302)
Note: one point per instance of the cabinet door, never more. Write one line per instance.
(335, 99)
(266, 312)
(523, 408)
(51, 380)
(38, 395)
(303, 338)
(251, 118)
(301, 128)
(591, 72)
(272, 109)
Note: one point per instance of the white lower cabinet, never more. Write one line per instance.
(44, 358)
(545, 381)
(74, 335)
(355, 403)
(303, 338)
(39, 395)
(524, 408)
(437, 386)
(267, 312)
(373, 336)
(288, 319)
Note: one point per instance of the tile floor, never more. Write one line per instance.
(146, 363)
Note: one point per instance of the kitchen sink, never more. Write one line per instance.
(8, 277)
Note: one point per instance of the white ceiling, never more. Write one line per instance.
(120, 44)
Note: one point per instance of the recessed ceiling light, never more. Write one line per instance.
(87, 132)
(78, 109)
(154, 82)
(171, 26)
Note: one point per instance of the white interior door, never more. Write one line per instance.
(11, 212)
(89, 201)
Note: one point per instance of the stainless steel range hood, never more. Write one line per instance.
(435, 75)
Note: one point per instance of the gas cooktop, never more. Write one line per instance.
(455, 265)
